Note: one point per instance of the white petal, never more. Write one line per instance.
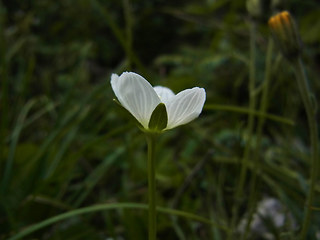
(135, 94)
(164, 93)
(185, 106)
(114, 83)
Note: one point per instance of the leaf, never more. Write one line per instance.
(159, 118)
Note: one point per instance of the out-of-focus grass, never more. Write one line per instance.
(66, 145)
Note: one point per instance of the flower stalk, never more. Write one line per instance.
(261, 120)
(152, 217)
(286, 35)
(313, 130)
(245, 160)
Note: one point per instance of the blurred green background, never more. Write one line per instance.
(65, 144)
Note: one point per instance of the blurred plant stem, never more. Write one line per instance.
(4, 89)
(245, 160)
(118, 33)
(129, 36)
(256, 163)
(243, 110)
(313, 128)
(108, 206)
(152, 220)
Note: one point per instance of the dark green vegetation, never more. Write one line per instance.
(64, 144)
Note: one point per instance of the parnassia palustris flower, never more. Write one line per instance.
(157, 108)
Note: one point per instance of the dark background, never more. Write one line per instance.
(65, 144)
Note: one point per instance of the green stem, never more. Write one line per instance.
(128, 19)
(4, 97)
(151, 138)
(313, 129)
(108, 206)
(245, 160)
(116, 30)
(263, 109)
(243, 110)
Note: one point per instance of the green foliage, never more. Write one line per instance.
(64, 145)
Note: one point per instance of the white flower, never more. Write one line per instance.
(138, 96)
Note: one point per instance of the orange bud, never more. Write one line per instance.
(286, 35)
